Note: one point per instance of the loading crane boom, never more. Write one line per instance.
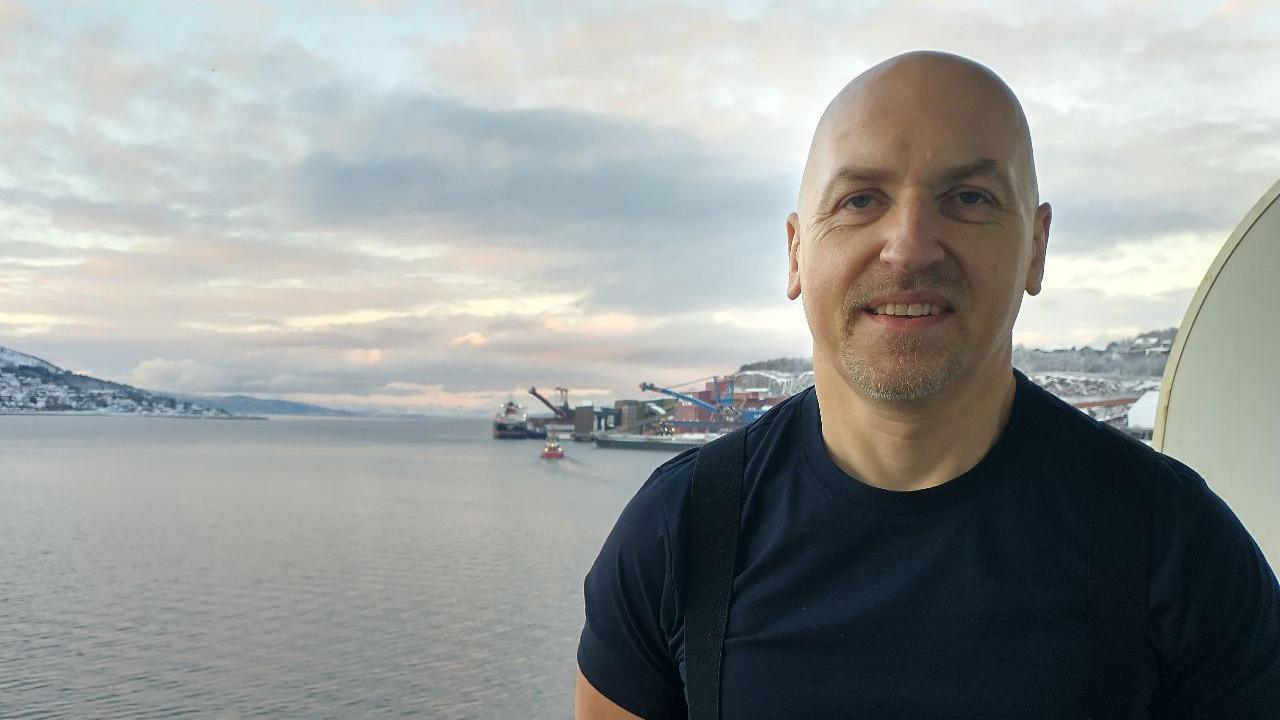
(724, 409)
(644, 386)
(562, 412)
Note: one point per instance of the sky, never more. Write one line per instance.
(425, 207)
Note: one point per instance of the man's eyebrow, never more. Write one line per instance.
(848, 175)
(985, 167)
(855, 174)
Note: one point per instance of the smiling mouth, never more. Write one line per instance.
(908, 310)
(899, 317)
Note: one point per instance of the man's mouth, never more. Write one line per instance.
(914, 310)
(908, 309)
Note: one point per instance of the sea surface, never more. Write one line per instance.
(295, 567)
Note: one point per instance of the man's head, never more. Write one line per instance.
(919, 196)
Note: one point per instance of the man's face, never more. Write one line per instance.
(915, 237)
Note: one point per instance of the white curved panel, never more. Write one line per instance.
(1219, 408)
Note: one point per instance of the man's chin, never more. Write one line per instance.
(900, 379)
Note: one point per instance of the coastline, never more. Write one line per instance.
(91, 413)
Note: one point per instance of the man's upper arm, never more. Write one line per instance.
(625, 653)
(589, 704)
(1217, 605)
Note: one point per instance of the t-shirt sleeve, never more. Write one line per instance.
(624, 651)
(1217, 612)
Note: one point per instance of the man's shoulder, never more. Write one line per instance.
(1073, 430)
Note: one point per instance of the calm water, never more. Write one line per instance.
(295, 568)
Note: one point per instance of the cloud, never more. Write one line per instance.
(365, 356)
(1143, 181)
(1089, 316)
(27, 250)
(302, 158)
(1144, 269)
(471, 338)
(185, 375)
(1148, 119)
(513, 171)
(610, 204)
(26, 324)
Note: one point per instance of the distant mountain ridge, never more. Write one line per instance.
(244, 404)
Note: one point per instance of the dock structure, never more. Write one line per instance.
(590, 419)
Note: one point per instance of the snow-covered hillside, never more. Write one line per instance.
(1080, 386)
(29, 384)
(13, 358)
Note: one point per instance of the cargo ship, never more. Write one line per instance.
(636, 441)
(510, 423)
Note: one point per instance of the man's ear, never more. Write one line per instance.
(1039, 248)
(793, 256)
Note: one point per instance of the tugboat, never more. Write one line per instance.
(552, 450)
(510, 423)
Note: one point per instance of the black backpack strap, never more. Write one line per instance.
(715, 511)
(1120, 526)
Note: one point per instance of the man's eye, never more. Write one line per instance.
(859, 202)
(970, 197)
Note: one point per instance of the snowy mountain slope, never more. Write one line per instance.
(30, 384)
(13, 359)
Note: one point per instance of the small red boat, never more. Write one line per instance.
(552, 450)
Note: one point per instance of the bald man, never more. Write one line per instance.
(915, 532)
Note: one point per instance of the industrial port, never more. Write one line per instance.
(1118, 385)
(669, 418)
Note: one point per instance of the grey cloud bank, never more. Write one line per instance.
(533, 171)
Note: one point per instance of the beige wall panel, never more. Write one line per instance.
(1219, 408)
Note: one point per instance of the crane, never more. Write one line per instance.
(723, 408)
(724, 403)
(562, 411)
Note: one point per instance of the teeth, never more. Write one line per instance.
(908, 309)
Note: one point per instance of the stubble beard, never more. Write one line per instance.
(903, 369)
(899, 367)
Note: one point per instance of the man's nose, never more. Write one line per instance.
(911, 236)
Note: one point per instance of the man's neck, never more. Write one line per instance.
(911, 445)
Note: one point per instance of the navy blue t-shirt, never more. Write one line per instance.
(964, 600)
